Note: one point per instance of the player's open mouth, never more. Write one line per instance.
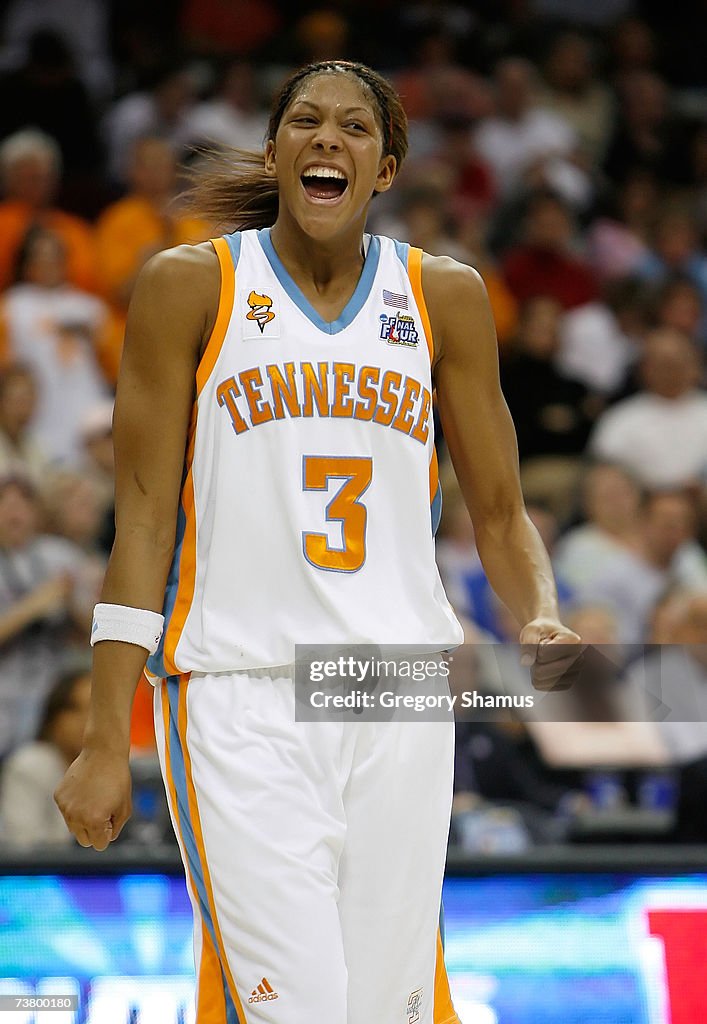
(324, 184)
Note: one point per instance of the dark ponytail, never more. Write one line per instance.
(229, 187)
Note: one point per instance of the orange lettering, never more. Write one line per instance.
(391, 380)
(315, 389)
(226, 394)
(343, 376)
(368, 376)
(282, 389)
(403, 421)
(252, 382)
(422, 428)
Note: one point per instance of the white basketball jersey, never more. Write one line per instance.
(310, 488)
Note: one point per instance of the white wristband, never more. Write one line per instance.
(131, 625)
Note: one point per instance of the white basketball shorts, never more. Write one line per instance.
(314, 854)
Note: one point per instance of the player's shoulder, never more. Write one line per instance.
(177, 293)
(444, 278)
(455, 296)
(195, 264)
(182, 277)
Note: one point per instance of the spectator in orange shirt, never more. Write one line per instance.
(141, 224)
(30, 166)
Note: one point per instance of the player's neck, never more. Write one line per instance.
(313, 261)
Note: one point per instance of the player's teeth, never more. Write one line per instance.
(324, 172)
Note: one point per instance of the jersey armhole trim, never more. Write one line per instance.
(227, 292)
(415, 275)
(401, 251)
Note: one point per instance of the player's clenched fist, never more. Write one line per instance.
(553, 653)
(94, 797)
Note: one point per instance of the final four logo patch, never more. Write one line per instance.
(399, 329)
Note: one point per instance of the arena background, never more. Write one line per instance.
(560, 147)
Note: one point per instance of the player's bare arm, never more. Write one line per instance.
(171, 315)
(481, 439)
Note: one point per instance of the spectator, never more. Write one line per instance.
(56, 329)
(666, 555)
(136, 227)
(213, 28)
(503, 304)
(469, 184)
(74, 510)
(82, 25)
(573, 91)
(18, 405)
(611, 501)
(544, 264)
(633, 48)
(665, 614)
(660, 434)
(618, 239)
(232, 117)
(322, 34)
(28, 814)
(645, 135)
(46, 93)
(674, 678)
(601, 341)
(520, 135)
(683, 686)
(160, 110)
(681, 304)
(435, 85)
(595, 623)
(38, 574)
(30, 166)
(553, 413)
(676, 250)
(499, 765)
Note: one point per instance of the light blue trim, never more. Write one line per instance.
(233, 242)
(231, 1011)
(155, 662)
(436, 509)
(179, 778)
(402, 251)
(353, 306)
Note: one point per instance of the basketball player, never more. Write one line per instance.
(293, 361)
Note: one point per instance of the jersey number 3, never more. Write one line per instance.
(344, 507)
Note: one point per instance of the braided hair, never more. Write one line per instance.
(230, 188)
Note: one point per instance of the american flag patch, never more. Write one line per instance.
(400, 301)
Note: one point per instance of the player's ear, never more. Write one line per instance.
(270, 158)
(386, 173)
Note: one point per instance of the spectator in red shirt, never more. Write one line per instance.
(544, 263)
(213, 27)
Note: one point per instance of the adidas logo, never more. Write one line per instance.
(262, 992)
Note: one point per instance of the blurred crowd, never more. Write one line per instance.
(561, 149)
